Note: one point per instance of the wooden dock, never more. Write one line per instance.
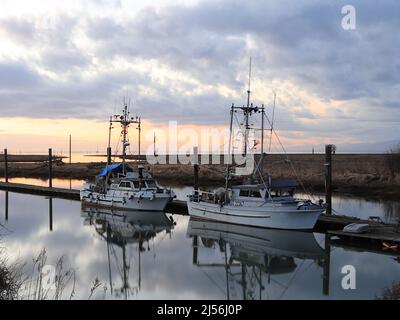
(29, 158)
(63, 193)
(176, 206)
(386, 233)
(329, 224)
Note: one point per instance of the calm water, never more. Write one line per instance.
(148, 257)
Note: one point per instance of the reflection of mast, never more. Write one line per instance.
(6, 204)
(243, 282)
(51, 214)
(254, 255)
(227, 265)
(119, 229)
(226, 272)
(125, 267)
(108, 257)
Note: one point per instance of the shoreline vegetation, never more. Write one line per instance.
(356, 174)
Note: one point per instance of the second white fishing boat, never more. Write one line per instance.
(259, 201)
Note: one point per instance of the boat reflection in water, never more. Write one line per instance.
(126, 232)
(252, 255)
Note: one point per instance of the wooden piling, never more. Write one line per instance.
(70, 149)
(5, 165)
(195, 162)
(50, 168)
(327, 266)
(140, 133)
(108, 155)
(195, 249)
(328, 178)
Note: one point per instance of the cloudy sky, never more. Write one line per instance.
(65, 67)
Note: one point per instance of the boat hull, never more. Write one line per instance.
(276, 217)
(157, 203)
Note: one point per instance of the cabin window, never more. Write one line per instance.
(255, 194)
(151, 184)
(136, 184)
(244, 193)
(282, 192)
(125, 184)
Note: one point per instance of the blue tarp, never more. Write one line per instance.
(116, 168)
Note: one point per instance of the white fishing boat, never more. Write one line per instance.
(120, 186)
(254, 205)
(260, 201)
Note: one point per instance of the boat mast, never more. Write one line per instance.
(272, 122)
(125, 143)
(125, 120)
(109, 133)
(230, 156)
(140, 132)
(262, 139)
(246, 113)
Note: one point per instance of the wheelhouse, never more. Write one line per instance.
(276, 189)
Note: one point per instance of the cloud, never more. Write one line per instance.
(16, 77)
(189, 62)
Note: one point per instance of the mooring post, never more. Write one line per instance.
(328, 178)
(327, 266)
(195, 250)
(70, 147)
(140, 133)
(108, 155)
(196, 170)
(50, 168)
(5, 165)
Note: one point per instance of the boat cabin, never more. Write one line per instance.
(113, 175)
(135, 184)
(275, 190)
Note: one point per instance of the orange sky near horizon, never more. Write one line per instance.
(28, 135)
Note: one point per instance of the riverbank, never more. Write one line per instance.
(357, 174)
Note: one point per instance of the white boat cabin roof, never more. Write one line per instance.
(275, 184)
(135, 176)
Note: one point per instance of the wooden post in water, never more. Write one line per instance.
(328, 178)
(5, 165)
(195, 249)
(327, 266)
(50, 168)
(108, 155)
(70, 146)
(196, 170)
(140, 133)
